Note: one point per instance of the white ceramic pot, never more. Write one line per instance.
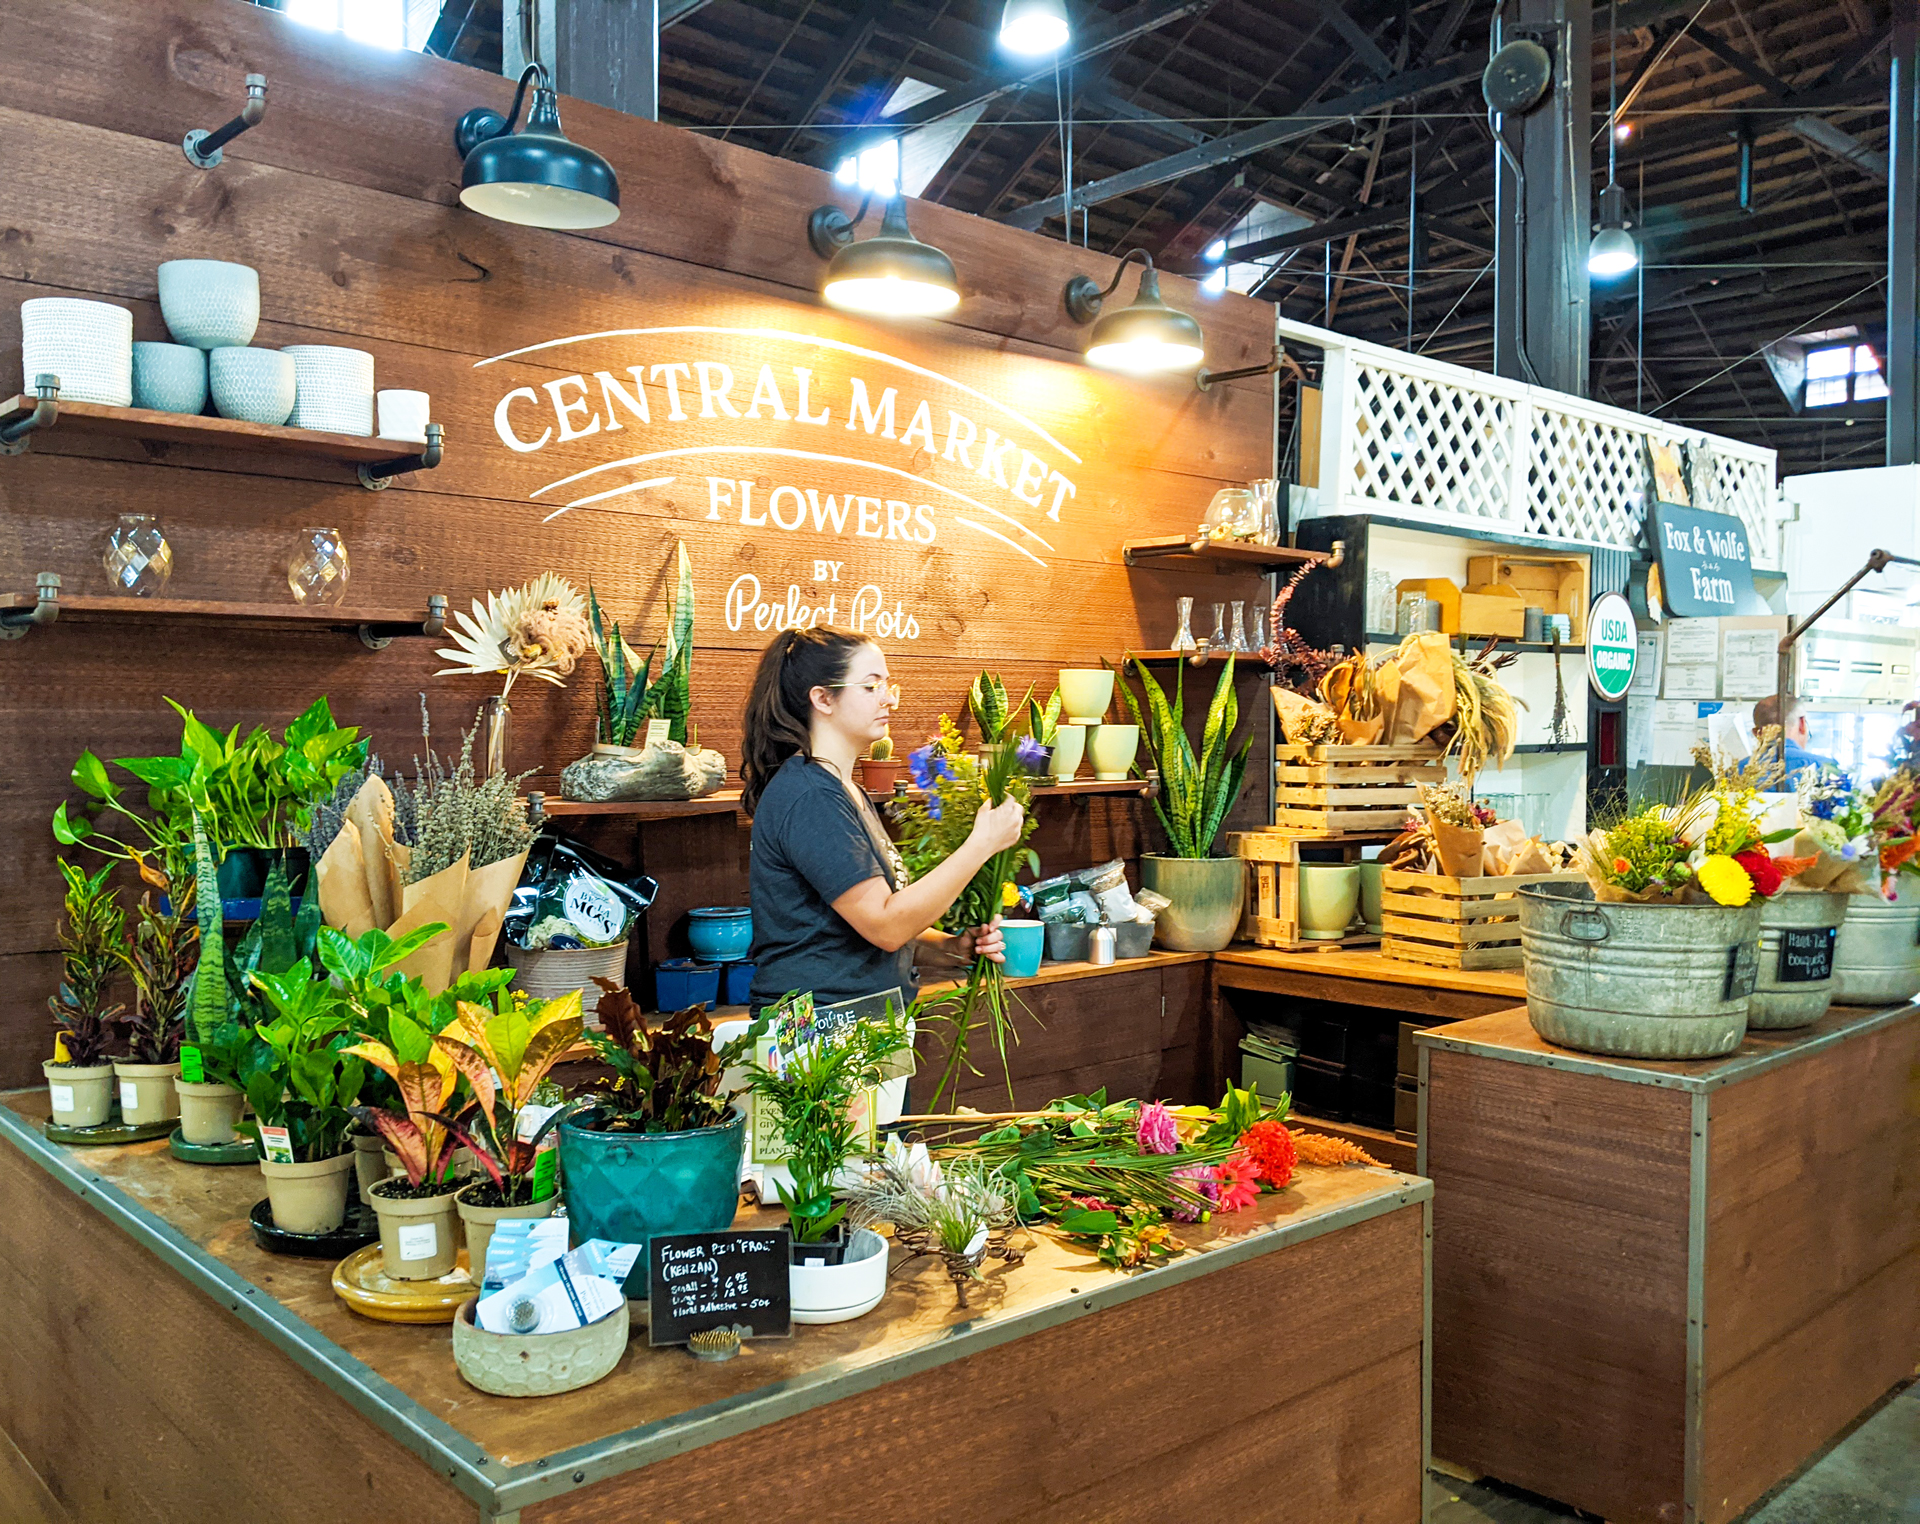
(837, 1293)
(403, 415)
(210, 303)
(147, 1093)
(333, 388)
(1111, 749)
(419, 1235)
(537, 1365)
(252, 385)
(209, 1113)
(1069, 746)
(308, 1198)
(81, 1097)
(1329, 897)
(88, 345)
(479, 1221)
(1085, 693)
(170, 378)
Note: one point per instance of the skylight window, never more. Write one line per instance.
(383, 23)
(1843, 373)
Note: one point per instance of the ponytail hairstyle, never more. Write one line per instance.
(779, 719)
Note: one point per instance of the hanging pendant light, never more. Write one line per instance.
(1034, 27)
(1613, 251)
(892, 274)
(535, 177)
(1145, 337)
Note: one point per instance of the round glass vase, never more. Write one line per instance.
(138, 559)
(317, 570)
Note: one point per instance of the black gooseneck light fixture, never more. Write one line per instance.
(1145, 337)
(535, 177)
(891, 274)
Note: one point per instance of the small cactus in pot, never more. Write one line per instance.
(879, 772)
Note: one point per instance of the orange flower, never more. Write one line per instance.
(1621, 865)
(1793, 867)
(1270, 1146)
(1895, 853)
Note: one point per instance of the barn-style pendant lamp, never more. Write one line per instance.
(891, 274)
(1034, 27)
(1145, 337)
(1613, 251)
(536, 176)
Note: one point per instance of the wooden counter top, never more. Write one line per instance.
(1508, 1035)
(1362, 963)
(657, 1403)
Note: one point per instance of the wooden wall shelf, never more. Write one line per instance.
(376, 628)
(1224, 556)
(376, 460)
(728, 800)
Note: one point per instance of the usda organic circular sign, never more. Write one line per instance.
(1611, 645)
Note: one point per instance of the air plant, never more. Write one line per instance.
(540, 629)
(962, 1213)
(628, 699)
(90, 936)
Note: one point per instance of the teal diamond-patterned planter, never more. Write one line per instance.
(628, 1186)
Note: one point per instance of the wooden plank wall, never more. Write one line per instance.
(344, 199)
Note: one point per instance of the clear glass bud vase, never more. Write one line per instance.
(1183, 641)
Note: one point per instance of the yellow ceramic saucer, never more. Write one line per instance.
(361, 1281)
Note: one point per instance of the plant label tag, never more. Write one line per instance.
(594, 909)
(657, 731)
(419, 1240)
(192, 1070)
(1743, 971)
(129, 1095)
(60, 1054)
(545, 1166)
(277, 1144)
(1807, 956)
(62, 1097)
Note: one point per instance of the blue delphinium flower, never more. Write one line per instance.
(1031, 755)
(922, 764)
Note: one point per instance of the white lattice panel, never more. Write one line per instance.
(1584, 479)
(1417, 443)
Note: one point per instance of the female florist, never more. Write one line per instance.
(646, 891)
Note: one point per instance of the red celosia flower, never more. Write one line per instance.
(1760, 868)
(1270, 1146)
(1621, 865)
(1238, 1182)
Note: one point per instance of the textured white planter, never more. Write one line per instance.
(838, 1293)
(537, 1365)
(88, 345)
(333, 388)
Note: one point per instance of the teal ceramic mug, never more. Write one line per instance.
(1025, 940)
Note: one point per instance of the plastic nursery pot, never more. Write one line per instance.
(82, 1097)
(208, 1113)
(1025, 940)
(479, 1221)
(680, 982)
(836, 1293)
(1209, 897)
(369, 1161)
(720, 933)
(308, 1198)
(418, 1237)
(147, 1093)
(628, 1186)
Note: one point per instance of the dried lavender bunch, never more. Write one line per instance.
(456, 813)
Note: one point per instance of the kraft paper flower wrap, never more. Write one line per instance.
(1711, 848)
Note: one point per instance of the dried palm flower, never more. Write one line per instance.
(540, 629)
(1318, 1148)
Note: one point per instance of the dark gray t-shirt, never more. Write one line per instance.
(811, 844)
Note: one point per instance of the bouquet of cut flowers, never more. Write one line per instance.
(1836, 830)
(1707, 849)
(953, 786)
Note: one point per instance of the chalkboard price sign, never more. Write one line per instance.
(1806, 955)
(698, 1281)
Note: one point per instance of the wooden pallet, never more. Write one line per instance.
(1339, 789)
(1465, 923)
(1272, 916)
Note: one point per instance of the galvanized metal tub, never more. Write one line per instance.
(1877, 958)
(1637, 981)
(1798, 932)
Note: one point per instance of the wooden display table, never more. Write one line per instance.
(162, 1367)
(1661, 1287)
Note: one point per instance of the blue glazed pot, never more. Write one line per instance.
(720, 933)
(628, 1186)
(736, 983)
(680, 982)
(1026, 940)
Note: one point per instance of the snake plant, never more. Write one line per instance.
(628, 699)
(1195, 793)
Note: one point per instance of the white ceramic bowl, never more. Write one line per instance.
(837, 1293)
(333, 388)
(170, 378)
(88, 345)
(210, 303)
(253, 385)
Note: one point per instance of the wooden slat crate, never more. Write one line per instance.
(1467, 923)
(1272, 917)
(1336, 789)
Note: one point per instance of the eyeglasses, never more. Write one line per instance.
(873, 687)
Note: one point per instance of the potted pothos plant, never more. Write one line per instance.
(655, 1145)
(305, 1088)
(1209, 893)
(505, 1054)
(814, 1088)
(92, 925)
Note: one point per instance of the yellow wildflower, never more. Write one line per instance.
(1009, 896)
(1725, 880)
